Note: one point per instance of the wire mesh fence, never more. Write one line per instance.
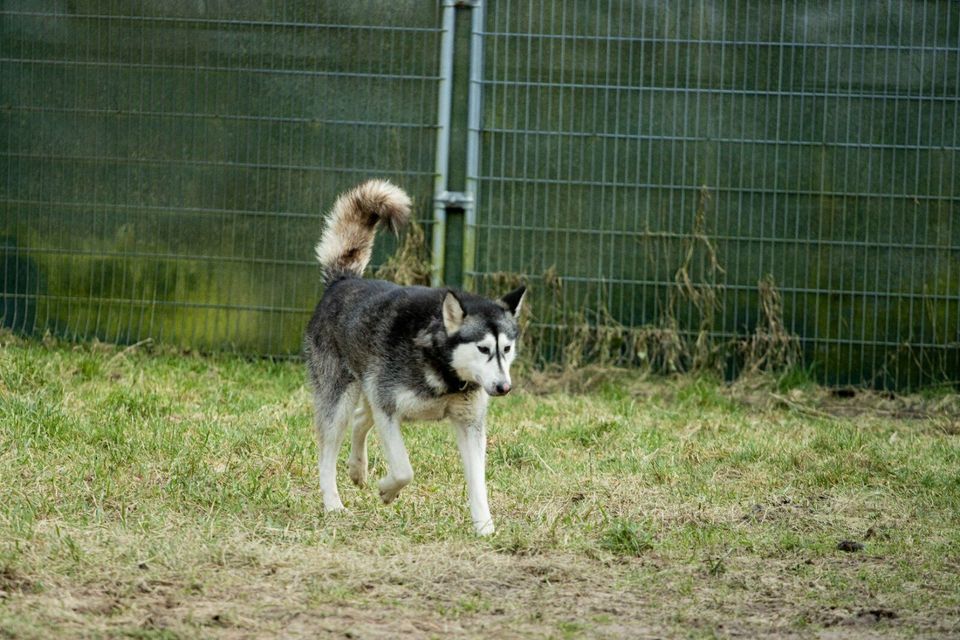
(645, 165)
(165, 166)
(648, 164)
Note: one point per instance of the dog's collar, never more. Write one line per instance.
(466, 387)
(439, 364)
(454, 383)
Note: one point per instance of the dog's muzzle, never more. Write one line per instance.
(502, 389)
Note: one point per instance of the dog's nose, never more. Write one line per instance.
(503, 389)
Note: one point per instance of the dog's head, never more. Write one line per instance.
(483, 335)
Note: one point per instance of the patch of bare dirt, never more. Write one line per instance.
(442, 591)
(849, 402)
(12, 582)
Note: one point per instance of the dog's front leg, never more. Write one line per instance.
(399, 471)
(472, 442)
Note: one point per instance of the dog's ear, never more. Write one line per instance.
(514, 299)
(452, 312)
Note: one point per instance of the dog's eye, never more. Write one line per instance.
(506, 349)
(484, 350)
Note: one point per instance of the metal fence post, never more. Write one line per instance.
(473, 145)
(443, 143)
(446, 197)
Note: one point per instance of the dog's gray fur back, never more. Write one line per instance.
(394, 335)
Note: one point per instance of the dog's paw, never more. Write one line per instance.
(358, 472)
(391, 484)
(335, 509)
(388, 495)
(389, 490)
(485, 528)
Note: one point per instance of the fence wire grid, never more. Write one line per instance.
(812, 141)
(164, 169)
(166, 166)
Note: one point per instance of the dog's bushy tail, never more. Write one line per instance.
(347, 241)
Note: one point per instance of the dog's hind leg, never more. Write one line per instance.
(399, 471)
(362, 423)
(333, 412)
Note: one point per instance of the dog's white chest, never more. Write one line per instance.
(410, 406)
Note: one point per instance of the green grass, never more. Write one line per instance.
(158, 495)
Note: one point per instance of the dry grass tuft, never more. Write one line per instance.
(771, 348)
(409, 264)
(592, 343)
(702, 293)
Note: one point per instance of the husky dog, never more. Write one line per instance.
(379, 353)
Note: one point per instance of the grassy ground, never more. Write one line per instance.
(159, 495)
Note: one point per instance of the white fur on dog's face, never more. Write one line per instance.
(486, 362)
